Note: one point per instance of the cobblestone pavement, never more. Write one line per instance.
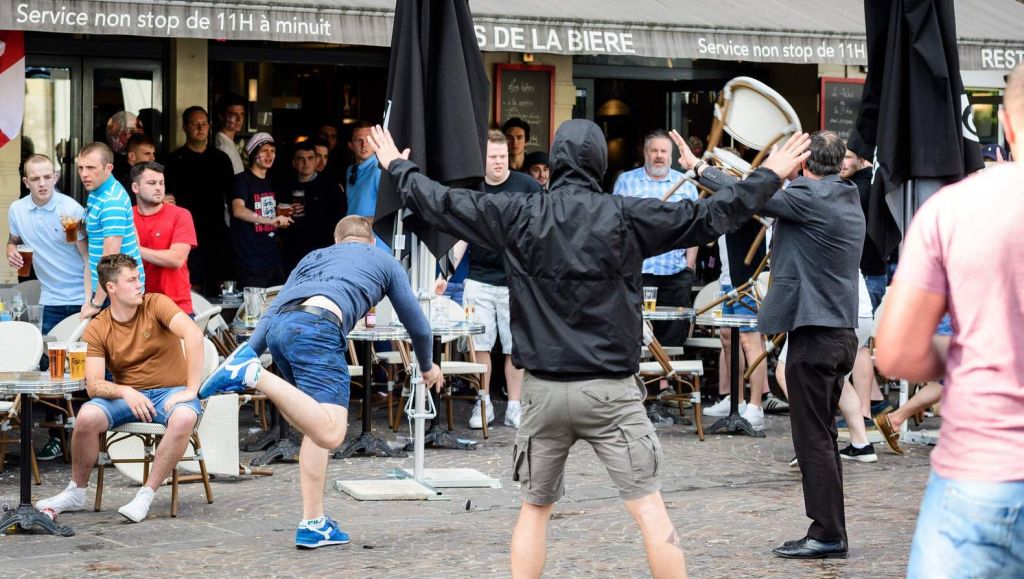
(732, 499)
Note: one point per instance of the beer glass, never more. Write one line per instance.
(255, 300)
(284, 209)
(299, 202)
(35, 316)
(57, 353)
(470, 307)
(70, 225)
(650, 298)
(26, 257)
(76, 360)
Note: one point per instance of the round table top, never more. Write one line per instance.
(457, 328)
(731, 321)
(378, 333)
(37, 383)
(666, 313)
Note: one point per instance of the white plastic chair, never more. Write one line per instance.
(22, 346)
(70, 329)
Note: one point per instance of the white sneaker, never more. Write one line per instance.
(71, 499)
(513, 414)
(721, 408)
(474, 419)
(755, 416)
(137, 510)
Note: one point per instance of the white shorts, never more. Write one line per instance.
(490, 303)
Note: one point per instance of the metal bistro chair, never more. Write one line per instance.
(131, 447)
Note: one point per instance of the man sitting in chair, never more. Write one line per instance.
(138, 338)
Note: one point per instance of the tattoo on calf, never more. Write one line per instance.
(674, 540)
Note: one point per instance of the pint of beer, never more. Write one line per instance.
(26, 257)
(57, 352)
(650, 298)
(70, 225)
(284, 209)
(76, 360)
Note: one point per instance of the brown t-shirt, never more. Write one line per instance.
(143, 352)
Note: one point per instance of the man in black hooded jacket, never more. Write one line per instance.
(573, 258)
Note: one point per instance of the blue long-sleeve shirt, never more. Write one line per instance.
(355, 276)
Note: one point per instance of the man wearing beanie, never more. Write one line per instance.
(536, 165)
(254, 219)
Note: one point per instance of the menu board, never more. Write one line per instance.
(525, 91)
(840, 104)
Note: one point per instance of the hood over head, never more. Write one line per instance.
(579, 156)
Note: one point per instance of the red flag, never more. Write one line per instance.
(12, 84)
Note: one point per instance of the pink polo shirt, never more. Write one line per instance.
(967, 242)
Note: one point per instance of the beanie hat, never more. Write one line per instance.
(257, 141)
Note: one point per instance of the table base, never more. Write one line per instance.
(284, 450)
(28, 517)
(733, 424)
(368, 445)
(438, 438)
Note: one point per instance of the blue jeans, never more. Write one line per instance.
(969, 529)
(118, 412)
(53, 315)
(309, 351)
(455, 290)
(876, 289)
(745, 307)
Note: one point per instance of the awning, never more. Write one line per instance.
(990, 32)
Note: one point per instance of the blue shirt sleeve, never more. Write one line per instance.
(408, 309)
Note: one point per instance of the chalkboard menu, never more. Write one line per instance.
(840, 104)
(525, 91)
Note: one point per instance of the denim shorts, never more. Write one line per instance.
(309, 351)
(118, 412)
(969, 529)
(745, 307)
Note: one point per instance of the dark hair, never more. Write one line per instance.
(106, 153)
(361, 125)
(307, 145)
(193, 109)
(318, 142)
(331, 124)
(137, 140)
(139, 168)
(226, 100)
(110, 267)
(516, 122)
(656, 134)
(827, 152)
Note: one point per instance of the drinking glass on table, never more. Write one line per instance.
(76, 360)
(35, 316)
(650, 298)
(57, 352)
(17, 305)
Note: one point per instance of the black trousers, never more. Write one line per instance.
(818, 361)
(260, 277)
(673, 290)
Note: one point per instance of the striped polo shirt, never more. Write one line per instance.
(109, 214)
(637, 183)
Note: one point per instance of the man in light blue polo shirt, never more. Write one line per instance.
(109, 224)
(35, 221)
(363, 177)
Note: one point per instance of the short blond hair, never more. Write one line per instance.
(353, 226)
(106, 153)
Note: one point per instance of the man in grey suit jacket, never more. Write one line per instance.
(819, 234)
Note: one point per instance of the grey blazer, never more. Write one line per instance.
(816, 251)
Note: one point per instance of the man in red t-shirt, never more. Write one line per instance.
(166, 236)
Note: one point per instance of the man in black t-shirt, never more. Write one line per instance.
(487, 288)
(199, 177)
(254, 218)
(317, 205)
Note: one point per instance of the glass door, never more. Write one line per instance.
(53, 101)
(122, 98)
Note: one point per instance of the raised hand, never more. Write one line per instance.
(787, 158)
(384, 147)
(686, 157)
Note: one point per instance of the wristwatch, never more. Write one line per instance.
(95, 305)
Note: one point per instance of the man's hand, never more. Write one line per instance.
(687, 159)
(383, 146)
(282, 221)
(433, 378)
(88, 311)
(170, 199)
(14, 258)
(440, 285)
(787, 158)
(141, 406)
(177, 398)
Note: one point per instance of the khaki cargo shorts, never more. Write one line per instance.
(607, 413)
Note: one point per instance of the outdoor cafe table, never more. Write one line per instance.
(367, 444)
(670, 313)
(733, 423)
(436, 437)
(29, 384)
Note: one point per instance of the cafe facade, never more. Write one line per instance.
(630, 67)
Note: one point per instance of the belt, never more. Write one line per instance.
(316, 311)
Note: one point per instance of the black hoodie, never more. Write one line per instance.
(573, 256)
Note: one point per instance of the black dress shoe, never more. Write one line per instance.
(808, 548)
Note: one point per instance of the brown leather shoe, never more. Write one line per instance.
(891, 437)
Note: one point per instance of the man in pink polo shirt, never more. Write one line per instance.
(963, 253)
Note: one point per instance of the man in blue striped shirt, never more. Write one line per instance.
(672, 272)
(108, 219)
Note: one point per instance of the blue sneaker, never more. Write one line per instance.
(329, 534)
(239, 370)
